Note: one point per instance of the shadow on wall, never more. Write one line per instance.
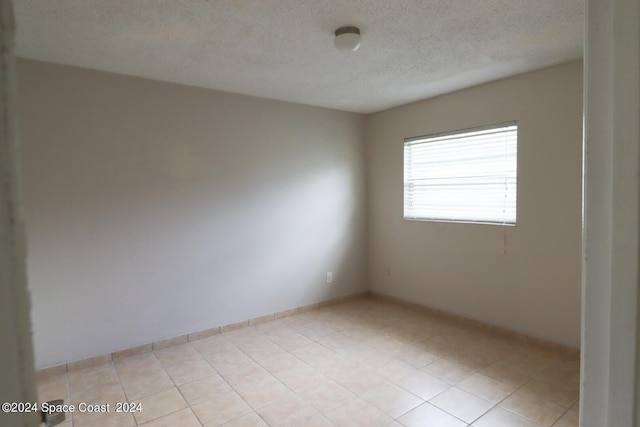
(155, 210)
(197, 254)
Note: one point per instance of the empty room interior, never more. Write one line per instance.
(222, 227)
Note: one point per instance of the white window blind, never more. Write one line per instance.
(465, 176)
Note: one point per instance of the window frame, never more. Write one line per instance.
(460, 132)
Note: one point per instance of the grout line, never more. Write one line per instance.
(230, 327)
(224, 379)
(122, 388)
(561, 415)
(68, 383)
(178, 387)
(481, 326)
(314, 325)
(162, 391)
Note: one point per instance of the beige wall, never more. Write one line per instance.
(525, 278)
(154, 209)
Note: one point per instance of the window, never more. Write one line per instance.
(463, 176)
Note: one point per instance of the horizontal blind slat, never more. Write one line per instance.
(465, 176)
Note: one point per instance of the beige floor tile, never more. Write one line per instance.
(486, 387)
(359, 363)
(422, 384)
(392, 400)
(411, 334)
(99, 395)
(137, 387)
(385, 344)
(569, 419)
(359, 381)
(300, 378)
(335, 341)
(575, 408)
(506, 373)
(291, 341)
(281, 362)
(563, 371)
(214, 342)
(177, 354)
(416, 357)
(212, 347)
(221, 409)
(360, 332)
(319, 421)
(461, 404)
(246, 375)
(438, 346)
(428, 415)
(242, 335)
(159, 405)
(229, 360)
(327, 396)
(111, 419)
(153, 369)
(391, 368)
(316, 331)
(277, 327)
(189, 371)
(260, 349)
(104, 374)
(291, 411)
(204, 389)
(362, 352)
(249, 420)
(182, 418)
(499, 417)
(336, 365)
(448, 371)
(142, 375)
(358, 413)
(299, 321)
(134, 366)
(311, 351)
(332, 364)
(474, 360)
(533, 407)
(531, 363)
(562, 394)
(264, 393)
(53, 387)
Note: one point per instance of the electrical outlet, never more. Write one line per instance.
(329, 277)
(388, 270)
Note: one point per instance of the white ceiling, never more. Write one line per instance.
(283, 49)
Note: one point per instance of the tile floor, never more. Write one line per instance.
(362, 363)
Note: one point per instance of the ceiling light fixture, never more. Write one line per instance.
(347, 38)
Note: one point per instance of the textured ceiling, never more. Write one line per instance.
(283, 49)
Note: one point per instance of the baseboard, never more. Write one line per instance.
(157, 345)
(194, 336)
(518, 336)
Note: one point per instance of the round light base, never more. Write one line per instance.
(347, 39)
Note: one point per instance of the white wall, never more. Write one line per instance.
(155, 210)
(610, 383)
(525, 278)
